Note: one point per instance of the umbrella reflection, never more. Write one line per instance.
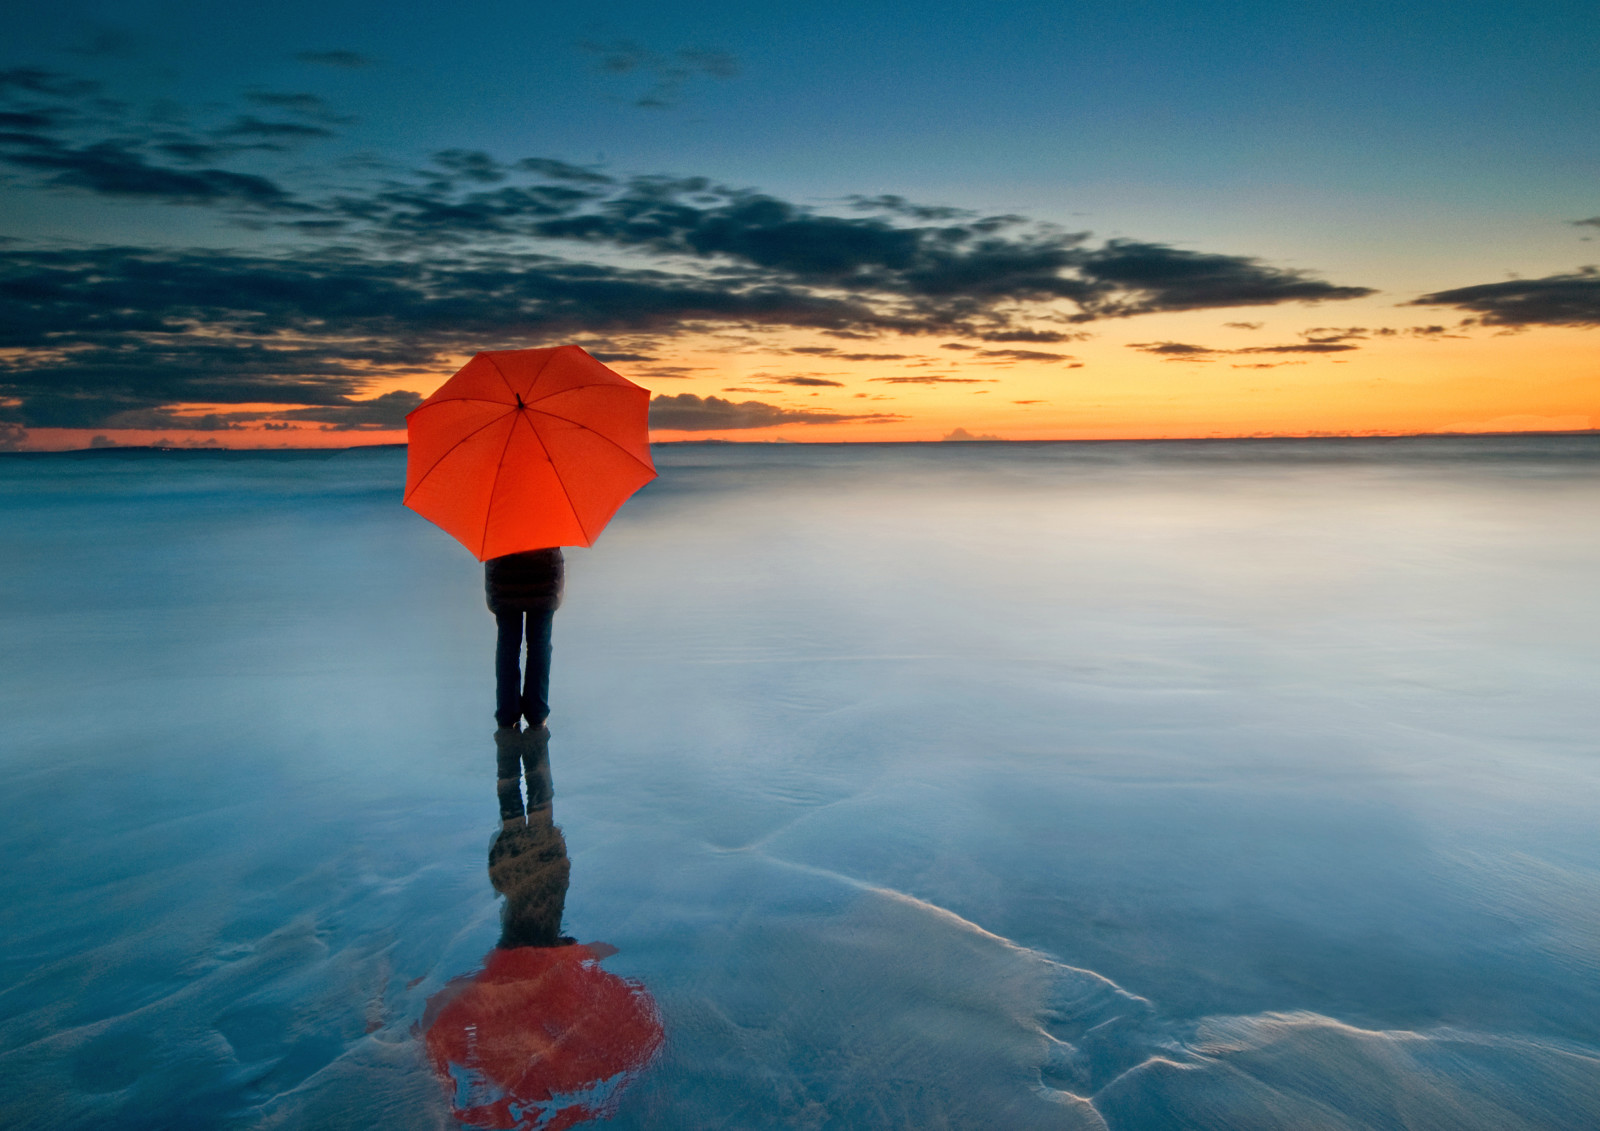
(541, 1037)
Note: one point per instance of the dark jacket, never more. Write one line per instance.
(529, 582)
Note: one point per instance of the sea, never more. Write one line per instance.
(1242, 785)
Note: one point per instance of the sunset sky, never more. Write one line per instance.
(286, 223)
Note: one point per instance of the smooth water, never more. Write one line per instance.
(1229, 785)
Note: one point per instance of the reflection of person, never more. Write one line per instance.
(524, 591)
(542, 1037)
(528, 858)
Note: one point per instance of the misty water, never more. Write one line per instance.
(1220, 784)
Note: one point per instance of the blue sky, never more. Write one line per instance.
(1407, 149)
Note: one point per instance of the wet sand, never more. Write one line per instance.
(1225, 785)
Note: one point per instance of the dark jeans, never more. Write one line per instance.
(518, 693)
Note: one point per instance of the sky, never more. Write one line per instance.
(287, 223)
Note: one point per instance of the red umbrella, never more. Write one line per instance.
(523, 449)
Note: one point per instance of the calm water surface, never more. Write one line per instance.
(1140, 786)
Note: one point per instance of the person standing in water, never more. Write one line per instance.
(523, 591)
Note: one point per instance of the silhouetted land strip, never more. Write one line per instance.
(1440, 445)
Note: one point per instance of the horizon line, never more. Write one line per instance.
(219, 448)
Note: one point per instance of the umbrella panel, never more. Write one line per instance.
(612, 411)
(455, 487)
(610, 474)
(529, 506)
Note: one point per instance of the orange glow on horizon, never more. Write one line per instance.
(1383, 376)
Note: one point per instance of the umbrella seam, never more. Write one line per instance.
(602, 435)
(445, 455)
(543, 365)
(494, 483)
(554, 470)
(509, 387)
(588, 385)
(448, 400)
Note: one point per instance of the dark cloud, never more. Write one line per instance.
(930, 380)
(832, 354)
(1555, 300)
(1045, 336)
(345, 60)
(1433, 331)
(817, 381)
(561, 171)
(903, 207)
(1320, 335)
(962, 435)
(91, 333)
(665, 74)
(620, 58)
(37, 81)
(189, 151)
(1324, 340)
(1171, 349)
(382, 412)
(1147, 277)
(1025, 355)
(12, 436)
(1245, 325)
(717, 64)
(396, 270)
(346, 414)
(111, 169)
(689, 413)
(471, 165)
(1591, 222)
(30, 121)
(296, 102)
(1301, 347)
(932, 277)
(249, 126)
(955, 275)
(967, 277)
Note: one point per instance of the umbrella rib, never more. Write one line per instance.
(452, 448)
(573, 507)
(447, 400)
(502, 373)
(510, 432)
(591, 431)
(543, 365)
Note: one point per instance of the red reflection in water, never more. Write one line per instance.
(541, 1037)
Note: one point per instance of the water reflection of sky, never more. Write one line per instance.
(1018, 786)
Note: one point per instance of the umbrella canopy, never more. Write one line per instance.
(523, 449)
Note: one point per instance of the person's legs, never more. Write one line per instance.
(536, 681)
(507, 669)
